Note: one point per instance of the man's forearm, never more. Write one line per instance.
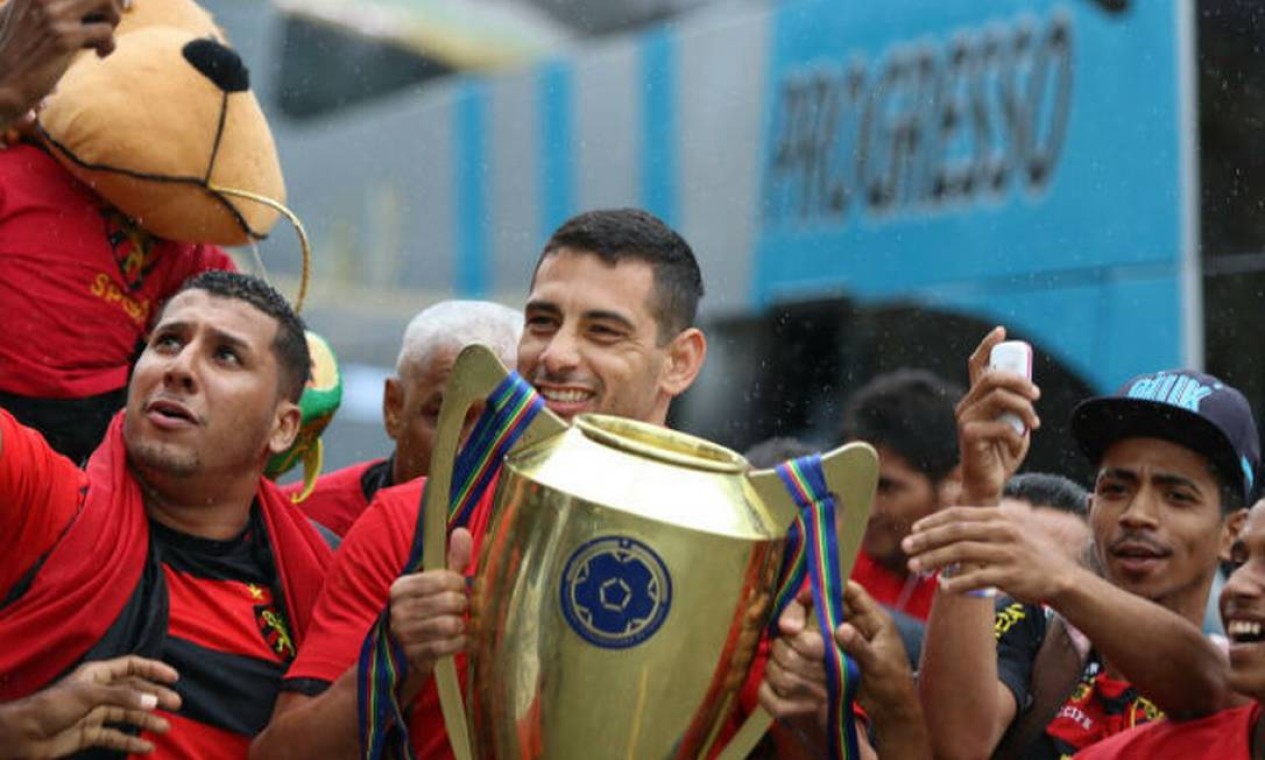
(957, 681)
(313, 728)
(325, 727)
(1165, 656)
(900, 731)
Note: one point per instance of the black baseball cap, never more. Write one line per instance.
(1190, 409)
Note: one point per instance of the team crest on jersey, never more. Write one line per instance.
(1082, 691)
(275, 630)
(1144, 711)
(133, 247)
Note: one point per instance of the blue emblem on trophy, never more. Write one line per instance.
(616, 592)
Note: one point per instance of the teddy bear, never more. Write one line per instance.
(141, 164)
(164, 126)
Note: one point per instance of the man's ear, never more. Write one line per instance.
(286, 429)
(1230, 528)
(393, 408)
(686, 353)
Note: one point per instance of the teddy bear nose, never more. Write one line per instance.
(219, 64)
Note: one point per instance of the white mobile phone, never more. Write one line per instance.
(1012, 356)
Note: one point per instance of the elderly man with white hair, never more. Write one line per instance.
(411, 401)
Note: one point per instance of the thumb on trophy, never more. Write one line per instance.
(460, 547)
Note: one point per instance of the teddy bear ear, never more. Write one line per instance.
(167, 130)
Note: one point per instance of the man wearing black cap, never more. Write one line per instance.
(1071, 657)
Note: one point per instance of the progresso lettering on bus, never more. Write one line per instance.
(935, 123)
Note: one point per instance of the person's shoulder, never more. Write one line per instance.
(334, 480)
(23, 446)
(403, 500)
(31, 168)
(25, 157)
(390, 520)
(338, 498)
(379, 538)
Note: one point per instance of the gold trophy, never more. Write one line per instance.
(623, 584)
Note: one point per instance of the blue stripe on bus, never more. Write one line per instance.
(555, 132)
(471, 172)
(659, 124)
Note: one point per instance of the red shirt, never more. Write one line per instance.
(1101, 706)
(1226, 735)
(909, 593)
(357, 589)
(340, 497)
(71, 266)
(40, 491)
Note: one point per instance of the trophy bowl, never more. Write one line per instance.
(623, 584)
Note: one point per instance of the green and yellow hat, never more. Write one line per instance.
(319, 402)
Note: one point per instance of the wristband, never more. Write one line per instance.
(979, 593)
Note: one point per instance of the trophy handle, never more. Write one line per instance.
(475, 374)
(852, 476)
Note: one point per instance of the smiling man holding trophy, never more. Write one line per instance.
(625, 571)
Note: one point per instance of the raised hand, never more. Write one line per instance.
(991, 449)
(887, 692)
(870, 638)
(989, 549)
(38, 39)
(87, 708)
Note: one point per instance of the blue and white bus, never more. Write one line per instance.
(866, 185)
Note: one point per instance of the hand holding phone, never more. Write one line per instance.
(1014, 356)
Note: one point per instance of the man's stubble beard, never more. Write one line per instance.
(155, 459)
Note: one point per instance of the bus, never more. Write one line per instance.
(866, 185)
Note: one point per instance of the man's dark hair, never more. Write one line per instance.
(1231, 494)
(290, 345)
(1043, 489)
(911, 412)
(1229, 489)
(773, 451)
(614, 235)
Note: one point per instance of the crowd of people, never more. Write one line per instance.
(159, 595)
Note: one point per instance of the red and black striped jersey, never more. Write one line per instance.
(225, 632)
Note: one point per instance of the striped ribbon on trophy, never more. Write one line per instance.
(813, 550)
(383, 668)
